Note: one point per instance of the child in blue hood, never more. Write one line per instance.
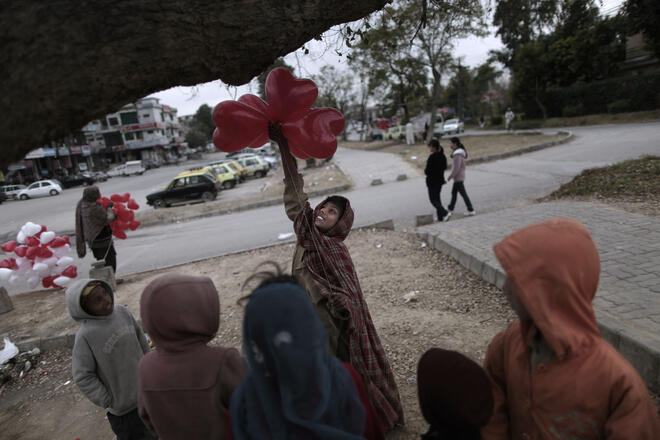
(106, 353)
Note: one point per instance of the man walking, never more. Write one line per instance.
(436, 165)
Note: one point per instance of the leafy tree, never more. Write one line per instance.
(203, 121)
(336, 90)
(196, 138)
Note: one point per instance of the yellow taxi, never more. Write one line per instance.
(225, 177)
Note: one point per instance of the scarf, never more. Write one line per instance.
(90, 219)
(294, 389)
(327, 259)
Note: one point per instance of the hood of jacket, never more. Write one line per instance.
(180, 310)
(458, 151)
(73, 293)
(556, 266)
(344, 224)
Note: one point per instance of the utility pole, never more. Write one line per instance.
(459, 108)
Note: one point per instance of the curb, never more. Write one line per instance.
(569, 137)
(643, 356)
(246, 207)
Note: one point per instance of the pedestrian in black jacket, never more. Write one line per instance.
(436, 165)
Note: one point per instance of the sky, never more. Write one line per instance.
(472, 52)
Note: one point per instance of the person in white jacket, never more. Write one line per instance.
(410, 135)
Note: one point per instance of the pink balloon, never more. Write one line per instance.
(289, 98)
(70, 272)
(9, 246)
(316, 132)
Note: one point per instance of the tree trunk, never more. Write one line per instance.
(64, 63)
(435, 97)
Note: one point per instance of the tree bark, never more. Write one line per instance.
(64, 63)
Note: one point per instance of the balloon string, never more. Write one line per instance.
(298, 192)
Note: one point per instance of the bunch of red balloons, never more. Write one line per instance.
(309, 132)
(39, 256)
(124, 208)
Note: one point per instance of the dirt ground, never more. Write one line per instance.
(452, 309)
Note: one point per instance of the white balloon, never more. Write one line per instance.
(20, 237)
(40, 267)
(64, 261)
(46, 237)
(63, 281)
(5, 273)
(33, 282)
(14, 280)
(52, 261)
(33, 229)
(22, 262)
(62, 250)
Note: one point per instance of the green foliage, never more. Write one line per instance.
(203, 121)
(496, 120)
(196, 138)
(618, 106)
(640, 91)
(575, 109)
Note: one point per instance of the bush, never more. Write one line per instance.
(596, 97)
(573, 110)
(527, 124)
(496, 120)
(618, 106)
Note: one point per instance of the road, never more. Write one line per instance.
(491, 186)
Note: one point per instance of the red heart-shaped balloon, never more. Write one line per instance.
(316, 132)
(256, 103)
(125, 197)
(44, 252)
(32, 252)
(21, 251)
(103, 201)
(116, 198)
(132, 204)
(57, 242)
(289, 98)
(119, 234)
(133, 225)
(5, 264)
(31, 241)
(9, 246)
(48, 281)
(70, 272)
(238, 125)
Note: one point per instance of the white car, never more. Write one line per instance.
(254, 165)
(130, 167)
(453, 126)
(41, 188)
(11, 191)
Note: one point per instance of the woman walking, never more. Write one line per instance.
(436, 165)
(459, 156)
(93, 228)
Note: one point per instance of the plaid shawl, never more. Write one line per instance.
(331, 266)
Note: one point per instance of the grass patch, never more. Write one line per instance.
(637, 178)
(477, 146)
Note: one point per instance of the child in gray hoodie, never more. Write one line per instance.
(106, 353)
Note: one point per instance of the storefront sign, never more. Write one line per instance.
(41, 153)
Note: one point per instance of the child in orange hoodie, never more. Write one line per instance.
(552, 374)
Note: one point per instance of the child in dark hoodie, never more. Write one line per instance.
(185, 386)
(106, 352)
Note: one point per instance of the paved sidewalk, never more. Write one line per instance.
(628, 299)
(365, 166)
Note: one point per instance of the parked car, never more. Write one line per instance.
(3, 197)
(254, 165)
(41, 188)
(99, 176)
(453, 126)
(193, 185)
(233, 165)
(150, 163)
(224, 175)
(130, 167)
(11, 191)
(77, 179)
(396, 132)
